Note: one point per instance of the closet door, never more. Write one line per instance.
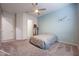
(0, 26)
(29, 28)
(19, 26)
(7, 27)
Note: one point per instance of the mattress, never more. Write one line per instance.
(43, 41)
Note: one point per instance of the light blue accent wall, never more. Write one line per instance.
(62, 22)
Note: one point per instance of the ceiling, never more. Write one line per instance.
(25, 7)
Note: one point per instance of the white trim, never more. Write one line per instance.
(7, 40)
(69, 43)
(10, 40)
(5, 52)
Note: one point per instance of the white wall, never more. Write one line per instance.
(27, 17)
(7, 26)
(21, 25)
(0, 24)
(77, 15)
(28, 28)
(62, 22)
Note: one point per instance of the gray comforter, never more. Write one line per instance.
(43, 41)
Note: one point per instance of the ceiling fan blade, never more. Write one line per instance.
(34, 4)
(42, 9)
(29, 11)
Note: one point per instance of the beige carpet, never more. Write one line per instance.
(24, 48)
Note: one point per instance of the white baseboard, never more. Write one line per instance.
(5, 52)
(8, 40)
(68, 43)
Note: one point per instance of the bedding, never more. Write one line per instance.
(43, 41)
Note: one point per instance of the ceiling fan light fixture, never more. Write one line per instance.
(36, 11)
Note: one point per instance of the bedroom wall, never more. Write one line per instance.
(78, 20)
(21, 25)
(62, 22)
(27, 28)
(0, 24)
(7, 26)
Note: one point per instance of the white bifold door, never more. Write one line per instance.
(7, 27)
(29, 28)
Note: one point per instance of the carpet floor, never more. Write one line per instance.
(24, 48)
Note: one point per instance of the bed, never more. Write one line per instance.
(43, 41)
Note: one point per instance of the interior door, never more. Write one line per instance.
(29, 28)
(7, 27)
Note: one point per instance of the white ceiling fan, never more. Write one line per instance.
(36, 9)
